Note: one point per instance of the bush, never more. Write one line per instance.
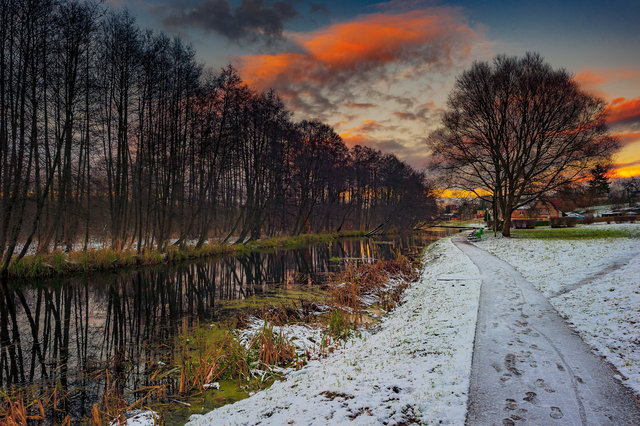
(524, 223)
(624, 219)
(587, 220)
(559, 222)
(542, 223)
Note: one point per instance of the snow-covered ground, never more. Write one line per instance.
(593, 283)
(554, 265)
(415, 368)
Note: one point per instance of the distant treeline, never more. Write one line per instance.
(109, 131)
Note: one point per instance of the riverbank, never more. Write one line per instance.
(181, 319)
(393, 373)
(590, 276)
(58, 263)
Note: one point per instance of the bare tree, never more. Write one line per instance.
(109, 131)
(515, 129)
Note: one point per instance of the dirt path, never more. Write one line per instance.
(528, 366)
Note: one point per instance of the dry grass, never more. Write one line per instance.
(30, 405)
(348, 287)
(286, 313)
(59, 263)
(271, 348)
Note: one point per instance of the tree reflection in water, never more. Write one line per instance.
(69, 331)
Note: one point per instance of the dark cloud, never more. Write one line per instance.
(406, 116)
(629, 164)
(359, 105)
(427, 113)
(252, 20)
(318, 8)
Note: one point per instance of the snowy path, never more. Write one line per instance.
(528, 366)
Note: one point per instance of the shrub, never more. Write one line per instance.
(570, 221)
(587, 220)
(558, 222)
(542, 223)
(624, 219)
(524, 223)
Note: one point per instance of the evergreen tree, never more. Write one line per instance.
(599, 183)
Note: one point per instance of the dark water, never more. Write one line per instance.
(70, 331)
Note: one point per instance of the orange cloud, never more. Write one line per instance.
(625, 170)
(353, 139)
(368, 42)
(622, 110)
(628, 138)
(460, 193)
(329, 63)
(369, 126)
(593, 80)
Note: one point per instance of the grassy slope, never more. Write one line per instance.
(580, 232)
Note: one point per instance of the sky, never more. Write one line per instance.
(380, 72)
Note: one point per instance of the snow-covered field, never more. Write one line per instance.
(593, 283)
(415, 368)
(554, 265)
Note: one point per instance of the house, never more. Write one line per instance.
(540, 210)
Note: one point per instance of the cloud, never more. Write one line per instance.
(628, 138)
(251, 21)
(318, 8)
(369, 126)
(631, 163)
(334, 61)
(415, 156)
(426, 113)
(594, 80)
(384, 145)
(359, 105)
(590, 77)
(625, 170)
(623, 111)
(406, 115)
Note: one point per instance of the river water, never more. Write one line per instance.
(70, 331)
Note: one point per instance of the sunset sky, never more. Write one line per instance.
(380, 73)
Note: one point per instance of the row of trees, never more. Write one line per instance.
(110, 131)
(516, 129)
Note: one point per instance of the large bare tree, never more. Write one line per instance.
(515, 129)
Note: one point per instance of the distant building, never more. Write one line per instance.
(540, 210)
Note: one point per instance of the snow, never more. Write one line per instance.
(606, 313)
(139, 418)
(416, 367)
(554, 265)
(593, 283)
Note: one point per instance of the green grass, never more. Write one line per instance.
(62, 264)
(578, 233)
